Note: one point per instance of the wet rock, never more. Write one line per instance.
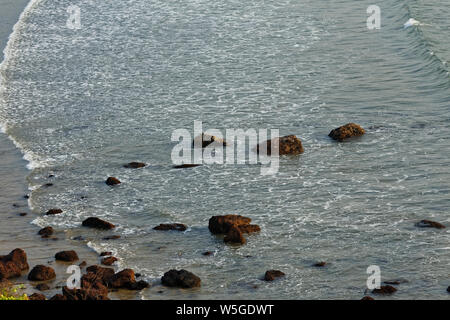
(42, 287)
(249, 228)
(87, 292)
(134, 165)
(97, 223)
(287, 145)
(205, 140)
(234, 236)
(97, 273)
(83, 264)
(78, 238)
(46, 232)
(180, 279)
(183, 166)
(137, 275)
(171, 226)
(58, 297)
(222, 224)
(320, 264)
(13, 264)
(207, 253)
(124, 279)
(53, 212)
(394, 282)
(105, 253)
(22, 214)
(140, 285)
(26, 196)
(41, 273)
(367, 298)
(109, 261)
(111, 181)
(273, 274)
(429, 224)
(112, 237)
(384, 290)
(347, 131)
(67, 256)
(36, 296)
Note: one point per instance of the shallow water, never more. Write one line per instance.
(81, 103)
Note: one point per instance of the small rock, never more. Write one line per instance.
(385, 290)
(124, 279)
(205, 140)
(97, 223)
(53, 212)
(367, 298)
(109, 261)
(287, 145)
(234, 235)
(112, 237)
(111, 181)
(41, 273)
(22, 214)
(448, 289)
(347, 131)
(182, 166)
(105, 253)
(180, 279)
(429, 224)
(320, 264)
(171, 226)
(207, 253)
(42, 287)
(26, 196)
(67, 256)
(48, 185)
(46, 232)
(273, 274)
(13, 264)
(36, 296)
(134, 165)
(58, 297)
(222, 224)
(137, 275)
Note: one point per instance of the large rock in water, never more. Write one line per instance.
(46, 232)
(52, 212)
(429, 224)
(93, 222)
(41, 273)
(180, 279)
(271, 275)
(222, 224)
(205, 140)
(68, 256)
(111, 181)
(287, 145)
(13, 264)
(347, 131)
(171, 226)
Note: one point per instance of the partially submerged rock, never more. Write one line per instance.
(384, 290)
(171, 226)
(93, 222)
(134, 165)
(105, 253)
(235, 236)
(429, 224)
(233, 227)
(67, 256)
(111, 181)
(42, 287)
(271, 275)
(41, 273)
(367, 298)
(36, 296)
(320, 264)
(53, 212)
(180, 279)
(205, 140)
(46, 232)
(112, 237)
(287, 145)
(347, 131)
(13, 264)
(109, 260)
(187, 165)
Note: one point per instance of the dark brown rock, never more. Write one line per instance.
(222, 224)
(180, 279)
(67, 256)
(124, 279)
(88, 292)
(249, 228)
(22, 214)
(429, 224)
(183, 166)
(42, 287)
(46, 232)
(13, 264)
(58, 297)
(109, 261)
(134, 165)
(207, 253)
(385, 290)
(448, 289)
(111, 181)
(41, 273)
(83, 264)
(273, 274)
(36, 296)
(97, 223)
(171, 226)
(97, 273)
(367, 298)
(320, 264)
(235, 236)
(347, 131)
(112, 237)
(205, 140)
(287, 145)
(105, 253)
(53, 212)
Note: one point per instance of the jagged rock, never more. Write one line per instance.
(109, 261)
(89, 292)
(273, 274)
(112, 237)
(68, 256)
(134, 165)
(347, 131)
(429, 224)
(53, 212)
(111, 181)
(13, 264)
(122, 279)
(180, 279)
(97, 223)
(41, 273)
(171, 226)
(249, 228)
(287, 145)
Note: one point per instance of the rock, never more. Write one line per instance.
(171, 226)
(287, 145)
(235, 236)
(97, 273)
(22, 214)
(97, 223)
(347, 131)
(320, 264)
(109, 261)
(137, 275)
(41, 273)
(68, 256)
(205, 140)
(134, 165)
(207, 253)
(384, 290)
(448, 289)
(87, 292)
(124, 279)
(367, 298)
(112, 237)
(53, 212)
(429, 224)
(249, 228)
(36, 296)
(13, 264)
(180, 279)
(26, 196)
(48, 185)
(182, 166)
(105, 253)
(58, 297)
(111, 181)
(273, 274)
(222, 224)
(394, 282)
(46, 232)
(141, 284)
(83, 264)
(42, 287)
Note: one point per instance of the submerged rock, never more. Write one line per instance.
(134, 165)
(111, 181)
(287, 145)
(13, 264)
(271, 275)
(93, 222)
(180, 279)
(171, 226)
(53, 212)
(41, 273)
(46, 232)
(347, 131)
(205, 140)
(68, 256)
(384, 290)
(429, 224)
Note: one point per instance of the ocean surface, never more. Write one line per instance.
(80, 103)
